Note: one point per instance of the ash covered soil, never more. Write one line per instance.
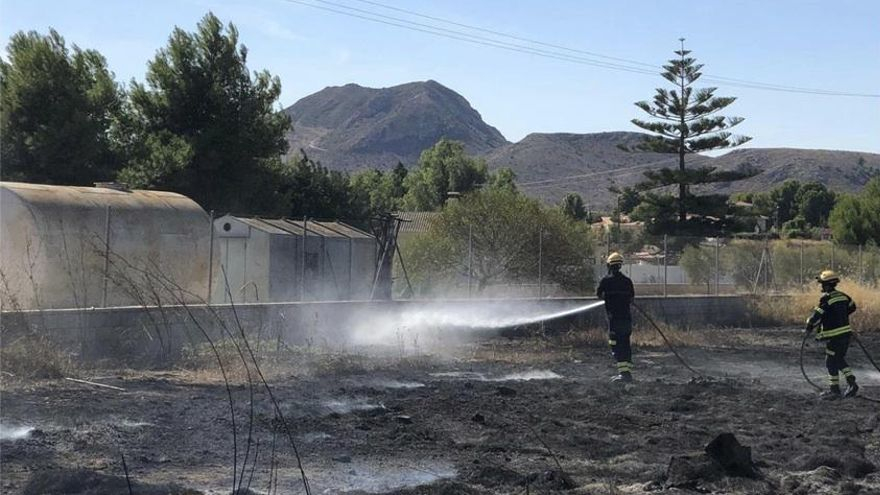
(505, 416)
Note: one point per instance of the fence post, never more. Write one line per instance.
(665, 264)
(801, 270)
(470, 259)
(832, 255)
(210, 258)
(302, 268)
(717, 267)
(106, 256)
(540, 262)
(350, 267)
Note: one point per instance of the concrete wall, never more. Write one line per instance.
(148, 334)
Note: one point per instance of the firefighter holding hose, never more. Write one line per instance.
(616, 289)
(830, 320)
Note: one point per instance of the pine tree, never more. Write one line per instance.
(685, 121)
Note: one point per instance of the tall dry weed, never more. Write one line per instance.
(794, 309)
(34, 356)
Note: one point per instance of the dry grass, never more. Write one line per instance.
(200, 361)
(34, 356)
(796, 308)
(280, 360)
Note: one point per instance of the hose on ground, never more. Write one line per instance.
(865, 350)
(668, 343)
(817, 387)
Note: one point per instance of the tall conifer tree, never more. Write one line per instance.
(685, 121)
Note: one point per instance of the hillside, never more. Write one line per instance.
(350, 127)
(593, 169)
(552, 164)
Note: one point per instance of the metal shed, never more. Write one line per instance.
(69, 246)
(264, 261)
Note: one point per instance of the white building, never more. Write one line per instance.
(263, 260)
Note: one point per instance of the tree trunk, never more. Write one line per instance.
(682, 188)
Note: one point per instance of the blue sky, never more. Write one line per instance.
(826, 45)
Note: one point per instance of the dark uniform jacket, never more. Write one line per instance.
(831, 317)
(617, 291)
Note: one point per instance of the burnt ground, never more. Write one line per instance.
(460, 424)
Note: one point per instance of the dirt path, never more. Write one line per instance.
(494, 425)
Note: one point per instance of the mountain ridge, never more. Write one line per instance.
(352, 127)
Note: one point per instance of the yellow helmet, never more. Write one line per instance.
(614, 259)
(827, 277)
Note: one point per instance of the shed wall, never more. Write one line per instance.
(53, 246)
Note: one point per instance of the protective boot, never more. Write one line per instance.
(623, 377)
(852, 388)
(833, 393)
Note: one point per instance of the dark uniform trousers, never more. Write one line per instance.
(835, 358)
(619, 333)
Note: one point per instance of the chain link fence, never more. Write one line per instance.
(658, 265)
(670, 265)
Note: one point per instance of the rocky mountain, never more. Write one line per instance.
(351, 127)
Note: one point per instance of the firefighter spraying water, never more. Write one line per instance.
(616, 289)
(830, 320)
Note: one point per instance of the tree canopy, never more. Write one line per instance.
(57, 110)
(443, 168)
(855, 219)
(504, 228)
(572, 206)
(202, 125)
(685, 121)
(795, 207)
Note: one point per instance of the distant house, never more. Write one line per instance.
(606, 224)
(278, 260)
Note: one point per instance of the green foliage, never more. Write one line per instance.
(503, 178)
(504, 227)
(629, 199)
(855, 219)
(685, 121)
(378, 191)
(442, 168)
(202, 108)
(572, 206)
(815, 203)
(797, 208)
(699, 264)
(308, 189)
(784, 201)
(796, 228)
(58, 109)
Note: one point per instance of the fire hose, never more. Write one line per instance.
(803, 346)
(817, 387)
(668, 343)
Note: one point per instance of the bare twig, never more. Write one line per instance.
(127, 478)
(94, 384)
(277, 407)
